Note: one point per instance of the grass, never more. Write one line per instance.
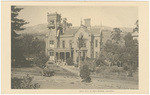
(64, 79)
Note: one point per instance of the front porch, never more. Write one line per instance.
(61, 55)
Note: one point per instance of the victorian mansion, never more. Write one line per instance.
(62, 39)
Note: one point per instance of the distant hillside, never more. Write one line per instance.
(37, 29)
(41, 29)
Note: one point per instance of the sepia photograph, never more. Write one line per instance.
(74, 47)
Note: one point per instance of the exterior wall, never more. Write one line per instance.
(67, 43)
(90, 44)
(87, 37)
(51, 36)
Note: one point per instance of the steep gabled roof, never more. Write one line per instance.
(71, 31)
(93, 30)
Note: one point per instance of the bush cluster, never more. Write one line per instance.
(69, 61)
(23, 83)
(47, 72)
(85, 73)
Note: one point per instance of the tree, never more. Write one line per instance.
(137, 26)
(116, 36)
(113, 51)
(16, 25)
(130, 54)
(80, 44)
(27, 41)
(85, 73)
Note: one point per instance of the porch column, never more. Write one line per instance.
(81, 55)
(54, 56)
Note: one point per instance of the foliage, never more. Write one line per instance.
(100, 61)
(31, 48)
(123, 55)
(69, 61)
(90, 63)
(85, 73)
(47, 72)
(22, 63)
(32, 45)
(41, 60)
(112, 51)
(130, 55)
(116, 36)
(16, 25)
(80, 43)
(137, 26)
(23, 83)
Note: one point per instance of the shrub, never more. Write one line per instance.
(114, 69)
(47, 72)
(100, 61)
(91, 64)
(85, 73)
(24, 83)
(130, 69)
(69, 61)
(101, 69)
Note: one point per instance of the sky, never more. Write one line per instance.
(115, 16)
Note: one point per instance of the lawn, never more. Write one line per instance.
(65, 79)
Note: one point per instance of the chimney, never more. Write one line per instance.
(87, 22)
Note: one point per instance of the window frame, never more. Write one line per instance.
(70, 43)
(96, 43)
(51, 42)
(63, 43)
(51, 53)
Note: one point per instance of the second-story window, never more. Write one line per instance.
(51, 53)
(96, 43)
(84, 44)
(63, 44)
(51, 42)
